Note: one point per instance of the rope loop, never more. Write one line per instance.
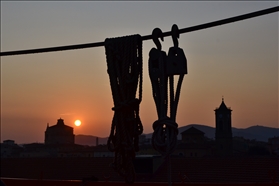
(165, 133)
(166, 121)
(164, 136)
(127, 104)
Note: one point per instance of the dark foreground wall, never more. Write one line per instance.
(190, 170)
(14, 182)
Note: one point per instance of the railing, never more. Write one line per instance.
(39, 182)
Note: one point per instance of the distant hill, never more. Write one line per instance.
(259, 133)
(209, 131)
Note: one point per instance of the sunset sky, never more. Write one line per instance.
(238, 61)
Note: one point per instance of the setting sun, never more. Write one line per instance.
(77, 122)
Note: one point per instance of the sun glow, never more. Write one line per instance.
(77, 123)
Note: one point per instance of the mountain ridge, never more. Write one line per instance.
(256, 132)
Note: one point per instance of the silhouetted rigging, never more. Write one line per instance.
(147, 37)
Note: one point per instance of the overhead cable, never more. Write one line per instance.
(147, 37)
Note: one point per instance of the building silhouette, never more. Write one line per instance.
(223, 130)
(193, 144)
(192, 135)
(59, 133)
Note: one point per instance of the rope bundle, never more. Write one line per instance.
(164, 137)
(162, 68)
(124, 62)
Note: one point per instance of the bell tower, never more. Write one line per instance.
(223, 129)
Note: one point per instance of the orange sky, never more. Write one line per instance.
(238, 61)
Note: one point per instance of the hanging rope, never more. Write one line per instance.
(162, 68)
(124, 61)
(161, 72)
(165, 128)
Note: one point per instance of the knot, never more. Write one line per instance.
(164, 137)
(165, 122)
(127, 104)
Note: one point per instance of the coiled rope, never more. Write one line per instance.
(164, 137)
(165, 128)
(124, 62)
